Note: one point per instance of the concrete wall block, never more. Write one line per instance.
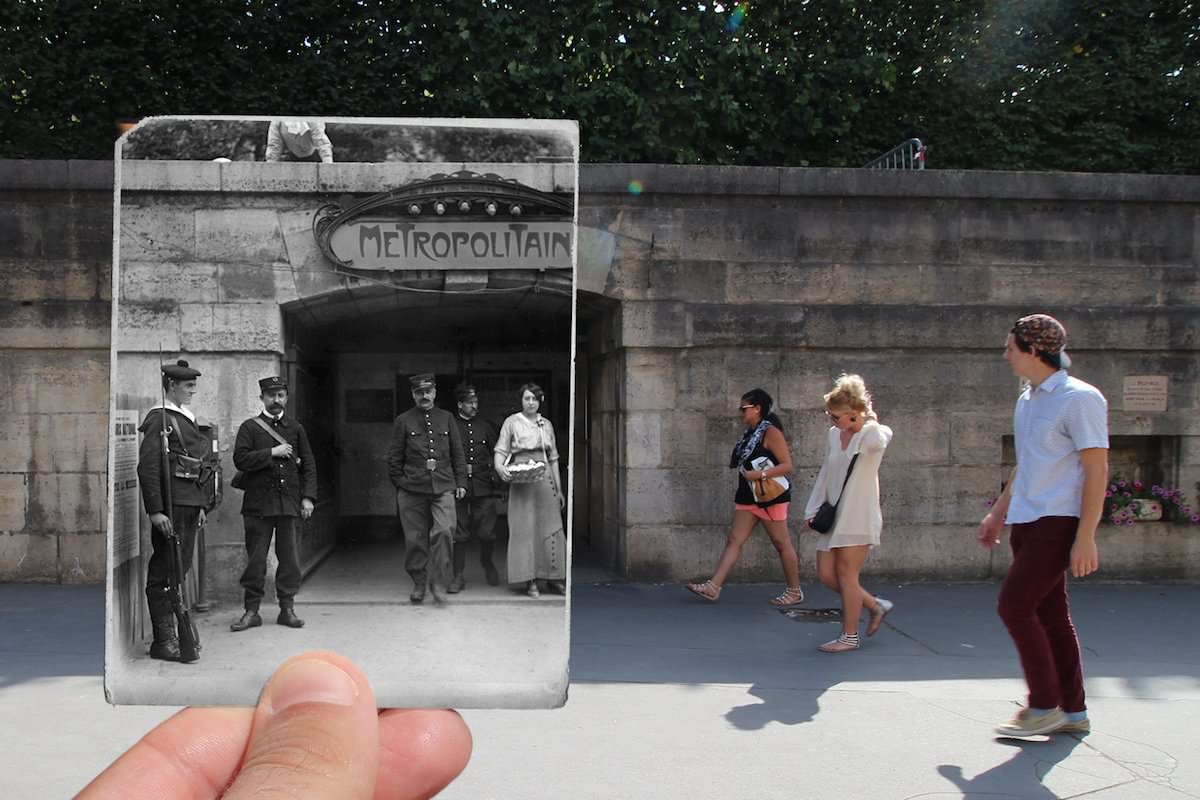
(231, 326)
(1151, 551)
(143, 326)
(700, 377)
(937, 495)
(683, 437)
(136, 175)
(157, 232)
(654, 324)
(53, 381)
(16, 444)
(55, 324)
(28, 280)
(944, 552)
(28, 557)
(921, 437)
(643, 439)
(69, 502)
(976, 437)
(648, 381)
(1189, 451)
(694, 281)
(669, 552)
(82, 557)
(14, 501)
(54, 442)
(245, 235)
(685, 496)
(259, 282)
(370, 178)
(157, 282)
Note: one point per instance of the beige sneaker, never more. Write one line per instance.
(1027, 724)
(1082, 726)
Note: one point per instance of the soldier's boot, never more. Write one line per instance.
(165, 646)
(250, 619)
(489, 569)
(418, 593)
(287, 615)
(458, 582)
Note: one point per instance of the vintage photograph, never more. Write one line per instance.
(342, 417)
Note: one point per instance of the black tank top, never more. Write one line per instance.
(746, 497)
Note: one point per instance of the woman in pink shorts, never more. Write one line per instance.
(762, 452)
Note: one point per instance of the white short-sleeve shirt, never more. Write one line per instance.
(1052, 422)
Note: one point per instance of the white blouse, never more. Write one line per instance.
(859, 518)
(518, 433)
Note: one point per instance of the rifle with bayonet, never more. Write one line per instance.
(189, 640)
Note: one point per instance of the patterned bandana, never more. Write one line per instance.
(1043, 332)
(746, 445)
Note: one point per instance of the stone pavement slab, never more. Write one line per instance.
(673, 697)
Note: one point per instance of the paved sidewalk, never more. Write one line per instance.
(673, 697)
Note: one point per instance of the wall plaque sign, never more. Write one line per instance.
(1145, 392)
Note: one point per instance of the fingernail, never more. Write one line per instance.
(312, 681)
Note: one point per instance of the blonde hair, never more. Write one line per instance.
(850, 391)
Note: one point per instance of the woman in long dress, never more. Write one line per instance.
(537, 542)
(842, 551)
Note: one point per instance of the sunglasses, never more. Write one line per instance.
(836, 417)
(743, 408)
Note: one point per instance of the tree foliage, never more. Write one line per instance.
(1019, 84)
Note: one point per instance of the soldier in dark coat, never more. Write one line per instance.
(477, 511)
(427, 467)
(280, 484)
(187, 499)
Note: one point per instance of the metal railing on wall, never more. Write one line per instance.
(906, 155)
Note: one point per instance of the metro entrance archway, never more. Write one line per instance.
(347, 357)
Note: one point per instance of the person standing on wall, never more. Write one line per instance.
(427, 466)
(476, 513)
(1053, 500)
(280, 484)
(298, 140)
(187, 445)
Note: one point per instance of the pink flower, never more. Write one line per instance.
(1195, 517)
(1137, 485)
(1122, 483)
(1108, 493)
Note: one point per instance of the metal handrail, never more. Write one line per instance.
(906, 155)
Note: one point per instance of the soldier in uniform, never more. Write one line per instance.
(187, 499)
(477, 511)
(426, 465)
(280, 484)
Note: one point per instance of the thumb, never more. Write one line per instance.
(315, 734)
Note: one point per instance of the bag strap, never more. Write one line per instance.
(275, 434)
(849, 469)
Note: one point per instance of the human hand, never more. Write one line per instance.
(203, 518)
(460, 493)
(1085, 557)
(161, 523)
(989, 531)
(306, 508)
(281, 451)
(504, 474)
(315, 733)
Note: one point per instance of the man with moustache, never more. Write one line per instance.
(477, 511)
(280, 484)
(186, 515)
(427, 466)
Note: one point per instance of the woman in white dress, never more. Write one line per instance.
(842, 551)
(537, 543)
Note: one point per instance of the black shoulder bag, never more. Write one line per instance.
(822, 521)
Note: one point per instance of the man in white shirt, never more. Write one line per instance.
(298, 140)
(1053, 500)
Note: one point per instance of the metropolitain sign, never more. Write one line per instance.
(391, 244)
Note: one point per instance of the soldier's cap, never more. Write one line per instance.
(180, 371)
(465, 391)
(422, 381)
(272, 383)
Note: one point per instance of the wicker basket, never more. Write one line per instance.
(528, 472)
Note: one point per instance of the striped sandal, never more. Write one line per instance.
(793, 596)
(708, 590)
(842, 644)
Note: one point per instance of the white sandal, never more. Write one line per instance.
(793, 596)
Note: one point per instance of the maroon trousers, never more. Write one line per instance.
(1033, 605)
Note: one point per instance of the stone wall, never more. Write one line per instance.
(704, 283)
(731, 278)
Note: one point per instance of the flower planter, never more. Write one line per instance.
(1143, 510)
